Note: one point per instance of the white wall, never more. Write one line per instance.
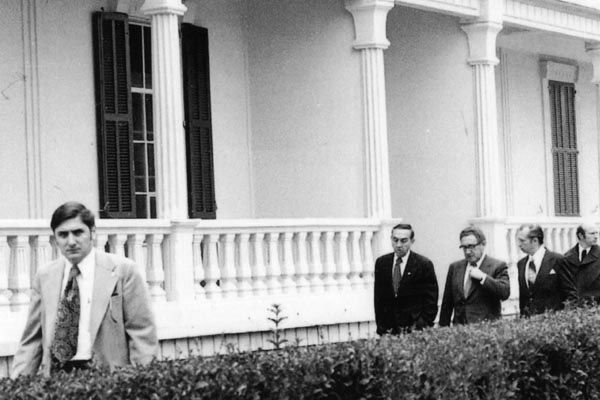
(67, 111)
(13, 166)
(526, 126)
(306, 109)
(430, 129)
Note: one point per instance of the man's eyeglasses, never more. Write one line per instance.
(468, 246)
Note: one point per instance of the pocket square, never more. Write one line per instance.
(552, 272)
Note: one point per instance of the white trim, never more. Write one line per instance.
(555, 71)
(506, 131)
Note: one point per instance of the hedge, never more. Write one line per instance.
(550, 356)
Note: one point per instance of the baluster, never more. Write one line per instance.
(555, 240)
(316, 267)
(41, 251)
(513, 251)
(199, 292)
(329, 264)
(369, 262)
(155, 273)
(302, 282)
(135, 251)
(212, 272)
(356, 261)
(244, 272)
(116, 243)
(101, 240)
(18, 279)
(5, 293)
(288, 283)
(228, 278)
(274, 270)
(343, 264)
(259, 271)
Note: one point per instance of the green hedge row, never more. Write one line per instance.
(553, 356)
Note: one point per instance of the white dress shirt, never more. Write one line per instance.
(469, 268)
(85, 281)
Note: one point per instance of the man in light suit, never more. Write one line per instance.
(476, 285)
(406, 288)
(583, 263)
(544, 283)
(88, 306)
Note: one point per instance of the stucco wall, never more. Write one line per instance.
(67, 113)
(306, 109)
(430, 130)
(524, 117)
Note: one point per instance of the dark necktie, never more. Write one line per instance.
(468, 281)
(397, 275)
(583, 254)
(64, 345)
(531, 274)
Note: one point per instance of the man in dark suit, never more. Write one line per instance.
(406, 288)
(544, 283)
(582, 262)
(476, 285)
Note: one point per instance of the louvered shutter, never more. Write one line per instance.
(113, 114)
(564, 148)
(198, 127)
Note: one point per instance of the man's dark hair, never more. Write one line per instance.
(473, 230)
(580, 232)
(535, 231)
(69, 210)
(405, 226)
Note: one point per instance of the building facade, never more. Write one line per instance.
(250, 153)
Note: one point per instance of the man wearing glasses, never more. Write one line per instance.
(476, 285)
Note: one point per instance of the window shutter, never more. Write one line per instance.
(564, 148)
(198, 126)
(113, 115)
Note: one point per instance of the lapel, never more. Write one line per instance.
(592, 257)
(544, 270)
(51, 286)
(521, 265)
(409, 267)
(572, 255)
(105, 279)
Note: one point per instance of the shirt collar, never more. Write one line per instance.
(404, 257)
(538, 256)
(581, 249)
(85, 266)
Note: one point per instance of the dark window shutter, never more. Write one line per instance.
(113, 115)
(198, 126)
(564, 148)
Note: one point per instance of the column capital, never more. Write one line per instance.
(593, 51)
(152, 7)
(481, 36)
(369, 22)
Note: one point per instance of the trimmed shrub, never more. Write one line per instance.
(550, 356)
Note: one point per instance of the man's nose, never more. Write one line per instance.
(71, 239)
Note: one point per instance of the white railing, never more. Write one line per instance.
(216, 259)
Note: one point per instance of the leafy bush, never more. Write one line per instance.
(550, 356)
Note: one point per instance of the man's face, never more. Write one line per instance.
(527, 245)
(401, 241)
(472, 248)
(590, 236)
(74, 239)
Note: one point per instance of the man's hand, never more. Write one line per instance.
(477, 274)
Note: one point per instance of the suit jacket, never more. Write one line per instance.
(585, 275)
(483, 302)
(551, 285)
(416, 303)
(122, 329)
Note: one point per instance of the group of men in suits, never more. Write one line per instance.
(86, 307)
(406, 288)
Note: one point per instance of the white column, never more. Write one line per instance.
(593, 51)
(369, 23)
(171, 186)
(481, 35)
